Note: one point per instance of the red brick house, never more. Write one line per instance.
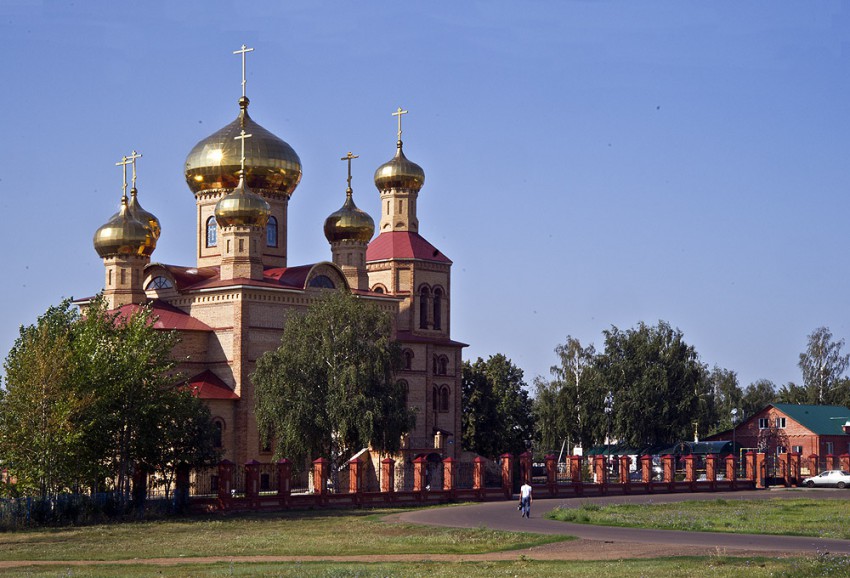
(819, 430)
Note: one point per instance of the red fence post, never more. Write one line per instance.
(646, 470)
(625, 478)
(507, 475)
(830, 461)
(284, 480)
(354, 485)
(551, 473)
(252, 481)
(225, 483)
(448, 474)
(525, 467)
(760, 470)
(731, 469)
(785, 468)
(814, 465)
(600, 471)
(690, 470)
(667, 464)
(320, 472)
(575, 470)
(419, 465)
(794, 458)
(711, 469)
(750, 466)
(387, 475)
(478, 473)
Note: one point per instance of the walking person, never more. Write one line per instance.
(525, 500)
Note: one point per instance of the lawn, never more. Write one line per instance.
(796, 517)
(363, 532)
(716, 567)
(324, 533)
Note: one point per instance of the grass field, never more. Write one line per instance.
(359, 532)
(798, 517)
(667, 567)
(325, 533)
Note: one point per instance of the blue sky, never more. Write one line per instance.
(588, 163)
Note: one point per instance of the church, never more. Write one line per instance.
(230, 306)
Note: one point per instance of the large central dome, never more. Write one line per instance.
(271, 165)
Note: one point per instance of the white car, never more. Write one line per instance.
(837, 478)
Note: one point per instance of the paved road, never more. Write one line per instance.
(504, 516)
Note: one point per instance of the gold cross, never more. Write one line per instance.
(348, 158)
(133, 158)
(242, 136)
(123, 163)
(243, 51)
(398, 113)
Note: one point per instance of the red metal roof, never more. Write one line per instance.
(187, 276)
(206, 385)
(403, 245)
(165, 317)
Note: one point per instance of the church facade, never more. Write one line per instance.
(230, 306)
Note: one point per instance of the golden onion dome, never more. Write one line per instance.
(242, 207)
(123, 234)
(349, 223)
(144, 217)
(215, 162)
(399, 173)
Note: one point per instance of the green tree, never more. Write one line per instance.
(96, 398)
(581, 397)
(549, 423)
(497, 414)
(725, 395)
(823, 367)
(39, 406)
(757, 395)
(657, 383)
(126, 367)
(187, 426)
(329, 389)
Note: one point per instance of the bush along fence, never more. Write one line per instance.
(263, 486)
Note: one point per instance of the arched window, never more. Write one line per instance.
(444, 398)
(435, 365)
(378, 289)
(438, 303)
(159, 282)
(212, 232)
(443, 365)
(408, 359)
(218, 429)
(271, 232)
(424, 297)
(402, 383)
(322, 282)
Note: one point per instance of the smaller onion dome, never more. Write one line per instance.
(143, 216)
(242, 207)
(123, 234)
(146, 218)
(349, 223)
(399, 173)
